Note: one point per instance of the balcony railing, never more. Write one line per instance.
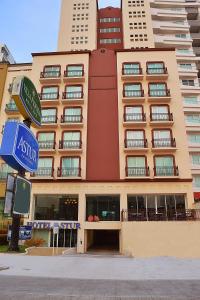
(152, 71)
(139, 143)
(161, 117)
(72, 95)
(11, 107)
(70, 144)
(137, 171)
(159, 93)
(69, 172)
(71, 119)
(133, 93)
(43, 172)
(50, 74)
(161, 214)
(131, 71)
(166, 171)
(49, 96)
(134, 117)
(46, 145)
(162, 143)
(77, 73)
(49, 119)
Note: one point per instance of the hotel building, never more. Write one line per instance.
(114, 169)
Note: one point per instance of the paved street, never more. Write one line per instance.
(98, 278)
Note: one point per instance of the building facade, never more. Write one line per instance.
(113, 138)
(5, 54)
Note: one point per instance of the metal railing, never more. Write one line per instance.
(50, 74)
(49, 96)
(72, 95)
(154, 71)
(133, 93)
(137, 171)
(43, 172)
(70, 144)
(162, 143)
(77, 73)
(131, 71)
(166, 171)
(47, 144)
(134, 117)
(69, 172)
(139, 143)
(49, 119)
(159, 93)
(162, 214)
(71, 119)
(161, 117)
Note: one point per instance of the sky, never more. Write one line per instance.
(28, 26)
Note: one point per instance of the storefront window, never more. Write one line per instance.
(56, 208)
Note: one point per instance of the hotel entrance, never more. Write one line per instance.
(67, 238)
(103, 241)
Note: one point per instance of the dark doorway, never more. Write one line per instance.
(103, 240)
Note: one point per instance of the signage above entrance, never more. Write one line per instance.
(19, 148)
(49, 225)
(27, 100)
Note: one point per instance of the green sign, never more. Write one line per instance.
(22, 196)
(27, 100)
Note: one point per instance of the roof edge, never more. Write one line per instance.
(61, 53)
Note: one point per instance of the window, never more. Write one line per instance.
(183, 51)
(158, 90)
(156, 68)
(194, 138)
(195, 158)
(133, 90)
(110, 41)
(191, 100)
(73, 92)
(4, 170)
(131, 69)
(49, 115)
(186, 66)
(188, 82)
(46, 140)
(193, 118)
(134, 114)
(72, 115)
(135, 139)
(109, 20)
(54, 207)
(11, 106)
(136, 166)
(71, 140)
(111, 29)
(45, 167)
(162, 138)
(105, 208)
(50, 92)
(196, 181)
(51, 72)
(70, 167)
(181, 35)
(164, 166)
(160, 113)
(74, 71)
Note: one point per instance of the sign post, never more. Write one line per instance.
(21, 151)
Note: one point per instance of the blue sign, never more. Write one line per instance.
(25, 233)
(19, 148)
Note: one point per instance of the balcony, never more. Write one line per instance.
(131, 74)
(50, 77)
(157, 73)
(166, 171)
(43, 172)
(74, 76)
(11, 109)
(132, 96)
(192, 13)
(135, 145)
(70, 146)
(49, 121)
(196, 39)
(73, 97)
(49, 98)
(69, 173)
(47, 146)
(135, 172)
(134, 119)
(159, 95)
(167, 144)
(163, 119)
(71, 120)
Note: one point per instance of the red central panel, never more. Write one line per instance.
(103, 138)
